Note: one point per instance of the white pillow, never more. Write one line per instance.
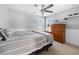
(0, 38)
(3, 35)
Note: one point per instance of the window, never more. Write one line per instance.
(49, 21)
(40, 23)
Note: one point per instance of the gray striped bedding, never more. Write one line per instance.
(21, 43)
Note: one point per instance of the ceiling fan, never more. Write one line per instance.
(44, 8)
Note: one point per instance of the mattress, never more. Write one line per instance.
(24, 43)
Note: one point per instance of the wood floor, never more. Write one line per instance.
(61, 49)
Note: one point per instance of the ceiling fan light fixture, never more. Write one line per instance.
(43, 9)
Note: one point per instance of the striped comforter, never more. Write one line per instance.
(22, 43)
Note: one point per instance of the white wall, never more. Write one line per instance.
(72, 36)
(72, 25)
(19, 19)
(72, 31)
(4, 16)
(14, 18)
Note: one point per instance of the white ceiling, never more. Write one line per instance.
(30, 8)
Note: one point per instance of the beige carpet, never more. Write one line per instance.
(61, 49)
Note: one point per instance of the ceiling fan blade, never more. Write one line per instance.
(48, 11)
(42, 5)
(35, 5)
(48, 6)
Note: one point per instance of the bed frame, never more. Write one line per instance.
(42, 49)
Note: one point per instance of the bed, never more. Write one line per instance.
(27, 42)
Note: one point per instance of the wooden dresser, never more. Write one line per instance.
(58, 31)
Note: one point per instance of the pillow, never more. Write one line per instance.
(2, 35)
(6, 32)
(0, 38)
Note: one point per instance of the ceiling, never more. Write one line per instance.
(30, 8)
